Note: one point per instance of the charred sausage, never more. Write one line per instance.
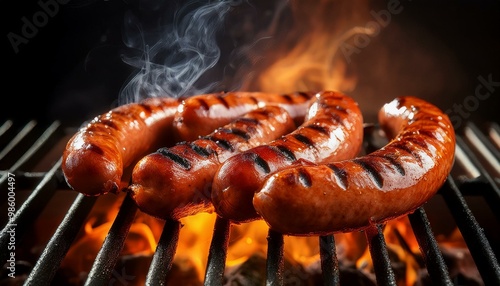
(354, 194)
(175, 182)
(202, 114)
(333, 130)
(96, 155)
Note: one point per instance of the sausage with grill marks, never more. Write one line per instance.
(175, 182)
(333, 130)
(354, 194)
(95, 156)
(202, 114)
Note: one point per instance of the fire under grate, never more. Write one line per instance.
(24, 145)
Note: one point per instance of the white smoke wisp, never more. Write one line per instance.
(185, 50)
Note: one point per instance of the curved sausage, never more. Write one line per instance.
(202, 114)
(354, 194)
(95, 156)
(333, 130)
(175, 182)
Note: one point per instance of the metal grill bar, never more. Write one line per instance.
(380, 256)
(34, 149)
(329, 262)
(492, 193)
(275, 262)
(109, 253)
(436, 266)
(164, 254)
(31, 208)
(214, 274)
(472, 233)
(52, 256)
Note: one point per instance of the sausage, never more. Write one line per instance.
(333, 130)
(175, 182)
(202, 114)
(385, 184)
(95, 156)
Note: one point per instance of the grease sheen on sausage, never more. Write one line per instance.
(354, 194)
(96, 155)
(333, 130)
(176, 182)
(202, 114)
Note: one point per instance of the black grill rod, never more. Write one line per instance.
(275, 261)
(57, 247)
(473, 234)
(483, 139)
(380, 257)
(6, 125)
(492, 192)
(31, 208)
(31, 151)
(164, 254)
(329, 262)
(18, 138)
(108, 255)
(214, 274)
(434, 261)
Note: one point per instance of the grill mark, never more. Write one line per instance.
(261, 163)
(176, 158)
(337, 118)
(304, 178)
(203, 103)
(287, 153)
(393, 161)
(427, 133)
(303, 139)
(96, 149)
(109, 123)
(318, 128)
(200, 150)
(372, 171)
(304, 94)
(341, 109)
(287, 97)
(247, 121)
(255, 100)
(238, 132)
(224, 144)
(147, 108)
(341, 175)
(223, 100)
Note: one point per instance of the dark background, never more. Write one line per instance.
(71, 69)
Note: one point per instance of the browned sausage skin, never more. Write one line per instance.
(333, 130)
(202, 114)
(354, 194)
(95, 157)
(175, 182)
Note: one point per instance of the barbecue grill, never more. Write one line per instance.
(30, 152)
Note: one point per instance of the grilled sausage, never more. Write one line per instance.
(354, 194)
(96, 155)
(202, 114)
(333, 130)
(175, 182)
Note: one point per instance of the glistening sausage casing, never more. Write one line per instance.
(202, 114)
(332, 130)
(175, 182)
(95, 157)
(385, 184)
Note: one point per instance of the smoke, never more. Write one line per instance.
(180, 52)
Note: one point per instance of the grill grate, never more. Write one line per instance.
(37, 140)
